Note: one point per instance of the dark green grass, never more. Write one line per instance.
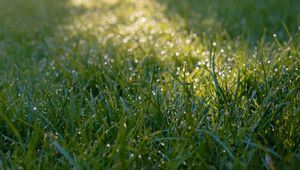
(152, 85)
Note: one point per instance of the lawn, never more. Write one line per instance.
(149, 84)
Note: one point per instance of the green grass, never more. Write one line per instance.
(128, 84)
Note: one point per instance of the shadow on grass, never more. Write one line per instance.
(248, 18)
(26, 26)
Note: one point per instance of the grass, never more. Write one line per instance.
(149, 84)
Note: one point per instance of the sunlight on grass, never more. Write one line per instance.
(93, 4)
(143, 29)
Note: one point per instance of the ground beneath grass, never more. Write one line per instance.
(149, 84)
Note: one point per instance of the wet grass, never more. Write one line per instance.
(149, 84)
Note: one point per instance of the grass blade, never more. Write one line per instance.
(63, 152)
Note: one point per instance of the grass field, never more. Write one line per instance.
(149, 84)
